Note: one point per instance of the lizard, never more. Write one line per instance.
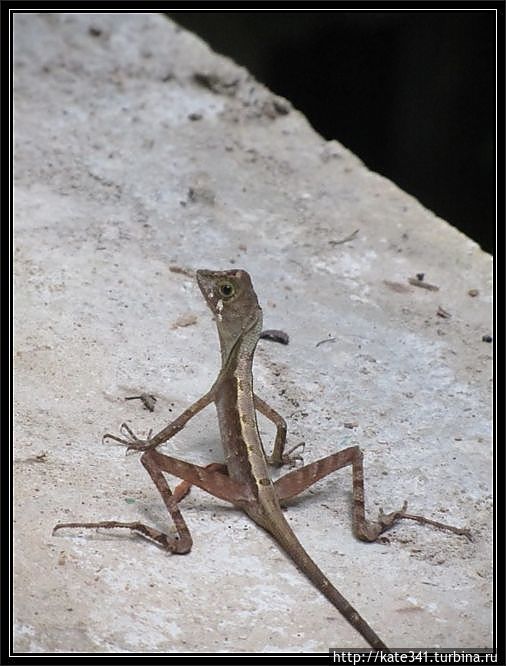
(244, 479)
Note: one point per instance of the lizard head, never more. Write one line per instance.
(233, 302)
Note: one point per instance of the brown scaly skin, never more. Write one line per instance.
(244, 479)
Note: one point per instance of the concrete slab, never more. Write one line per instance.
(141, 156)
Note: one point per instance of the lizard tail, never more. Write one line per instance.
(280, 529)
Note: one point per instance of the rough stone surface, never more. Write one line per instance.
(141, 156)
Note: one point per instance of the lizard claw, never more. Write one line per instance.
(130, 439)
(287, 458)
(139, 445)
(386, 520)
(371, 531)
(292, 460)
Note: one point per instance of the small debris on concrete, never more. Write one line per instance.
(147, 399)
(441, 312)
(275, 336)
(417, 282)
(346, 239)
(182, 271)
(398, 287)
(321, 342)
(184, 320)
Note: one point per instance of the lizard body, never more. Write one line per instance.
(244, 479)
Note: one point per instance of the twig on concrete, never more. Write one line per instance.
(345, 240)
(326, 340)
(418, 281)
(147, 400)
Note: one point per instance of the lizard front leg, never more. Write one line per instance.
(132, 442)
(278, 456)
(295, 482)
(183, 542)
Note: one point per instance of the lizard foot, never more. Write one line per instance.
(386, 520)
(370, 531)
(130, 439)
(287, 458)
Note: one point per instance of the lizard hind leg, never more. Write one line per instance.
(295, 482)
(208, 478)
(183, 488)
(179, 544)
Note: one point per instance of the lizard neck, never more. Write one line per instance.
(237, 351)
(235, 402)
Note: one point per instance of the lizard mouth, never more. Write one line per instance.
(205, 282)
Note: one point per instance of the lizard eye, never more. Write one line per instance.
(226, 289)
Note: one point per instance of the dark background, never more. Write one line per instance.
(412, 93)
